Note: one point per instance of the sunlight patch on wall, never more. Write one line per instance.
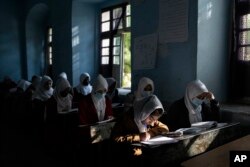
(205, 13)
(76, 67)
(75, 36)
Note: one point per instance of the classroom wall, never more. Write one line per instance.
(84, 43)
(58, 15)
(175, 62)
(214, 25)
(36, 28)
(61, 19)
(10, 52)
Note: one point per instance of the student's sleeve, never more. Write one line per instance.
(127, 138)
(120, 132)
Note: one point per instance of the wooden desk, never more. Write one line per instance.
(189, 146)
(219, 157)
(97, 132)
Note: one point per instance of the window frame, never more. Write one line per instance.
(242, 8)
(113, 32)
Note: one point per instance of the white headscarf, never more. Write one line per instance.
(23, 84)
(144, 81)
(84, 89)
(143, 108)
(63, 103)
(63, 75)
(100, 104)
(194, 89)
(41, 93)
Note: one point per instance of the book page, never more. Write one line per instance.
(159, 140)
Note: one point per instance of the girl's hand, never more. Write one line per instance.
(144, 136)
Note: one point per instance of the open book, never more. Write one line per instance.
(198, 127)
(73, 110)
(157, 140)
(206, 125)
(191, 130)
(107, 120)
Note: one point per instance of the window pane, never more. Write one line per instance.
(105, 60)
(117, 41)
(105, 26)
(128, 21)
(75, 40)
(117, 13)
(115, 22)
(116, 60)
(105, 51)
(105, 16)
(244, 53)
(244, 37)
(50, 31)
(50, 58)
(50, 49)
(50, 38)
(245, 21)
(116, 50)
(128, 8)
(105, 43)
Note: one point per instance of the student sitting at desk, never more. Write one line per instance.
(82, 89)
(43, 92)
(145, 89)
(197, 105)
(96, 106)
(141, 122)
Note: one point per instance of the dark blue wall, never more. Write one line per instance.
(10, 52)
(84, 43)
(62, 42)
(36, 25)
(175, 62)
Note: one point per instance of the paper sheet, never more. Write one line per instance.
(159, 140)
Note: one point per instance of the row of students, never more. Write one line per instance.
(144, 118)
(198, 104)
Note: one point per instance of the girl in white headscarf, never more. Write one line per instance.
(141, 123)
(193, 100)
(197, 105)
(96, 106)
(62, 95)
(44, 90)
(22, 85)
(84, 86)
(145, 88)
